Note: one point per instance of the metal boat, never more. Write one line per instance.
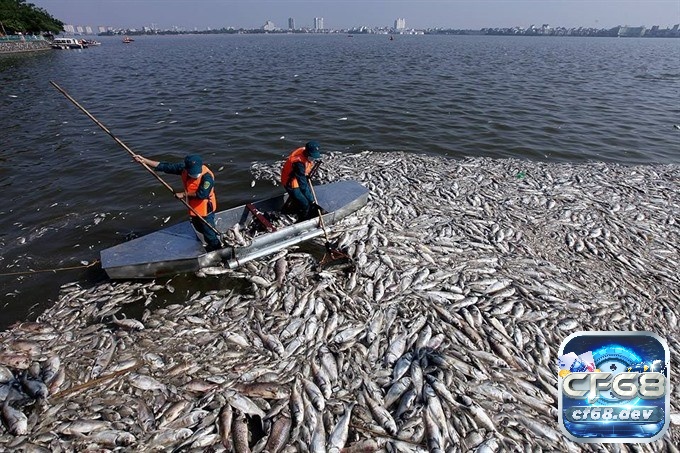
(177, 249)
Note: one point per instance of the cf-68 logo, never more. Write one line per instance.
(614, 387)
(623, 386)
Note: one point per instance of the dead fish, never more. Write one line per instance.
(18, 361)
(104, 358)
(243, 403)
(281, 267)
(397, 390)
(279, 435)
(267, 390)
(297, 408)
(127, 323)
(111, 438)
(144, 382)
(174, 411)
(381, 415)
(15, 420)
(81, 426)
(225, 423)
(168, 437)
(239, 431)
(315, 394)
(339, 434)
(49, 369)
(33, 387)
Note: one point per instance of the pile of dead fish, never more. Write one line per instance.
(443, 336)
(242, 236)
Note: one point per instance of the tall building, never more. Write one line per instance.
(400, 24)
(69, 29)
(291, 23)
(318, 23)
(631, 32)
(88, 30)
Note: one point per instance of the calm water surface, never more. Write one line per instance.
(68, 190)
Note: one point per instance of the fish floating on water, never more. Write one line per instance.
(444, 336)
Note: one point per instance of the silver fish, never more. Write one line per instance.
(339, 434)
(15, 420)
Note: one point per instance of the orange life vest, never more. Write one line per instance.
(287, 179)
(192, 185)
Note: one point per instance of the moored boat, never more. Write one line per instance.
(127, 40)
(67, 43)
(177, 249)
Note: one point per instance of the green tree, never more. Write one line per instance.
(19, 16)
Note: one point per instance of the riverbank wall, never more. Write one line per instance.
(23, 46)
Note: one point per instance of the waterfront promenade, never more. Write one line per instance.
(21, 43)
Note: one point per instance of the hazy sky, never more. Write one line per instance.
(473, 14)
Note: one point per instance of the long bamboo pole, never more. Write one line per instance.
(133, 154)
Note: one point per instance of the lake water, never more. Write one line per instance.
(69, 190)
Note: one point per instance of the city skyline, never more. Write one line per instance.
(347, 14)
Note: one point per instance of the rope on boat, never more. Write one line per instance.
(57, 269)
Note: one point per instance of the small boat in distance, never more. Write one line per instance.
(91, 42)
(127, 40)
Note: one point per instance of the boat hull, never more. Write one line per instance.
(177, 249)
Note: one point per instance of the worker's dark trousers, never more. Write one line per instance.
(301, 204)
(211, 239)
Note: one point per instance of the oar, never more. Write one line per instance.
(318, 209)
(333, 255)
(126, 148)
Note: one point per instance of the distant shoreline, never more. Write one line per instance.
(545, 30)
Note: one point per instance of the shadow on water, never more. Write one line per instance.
(180, 288)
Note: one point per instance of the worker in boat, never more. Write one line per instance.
(294, 177)
(199, 193)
